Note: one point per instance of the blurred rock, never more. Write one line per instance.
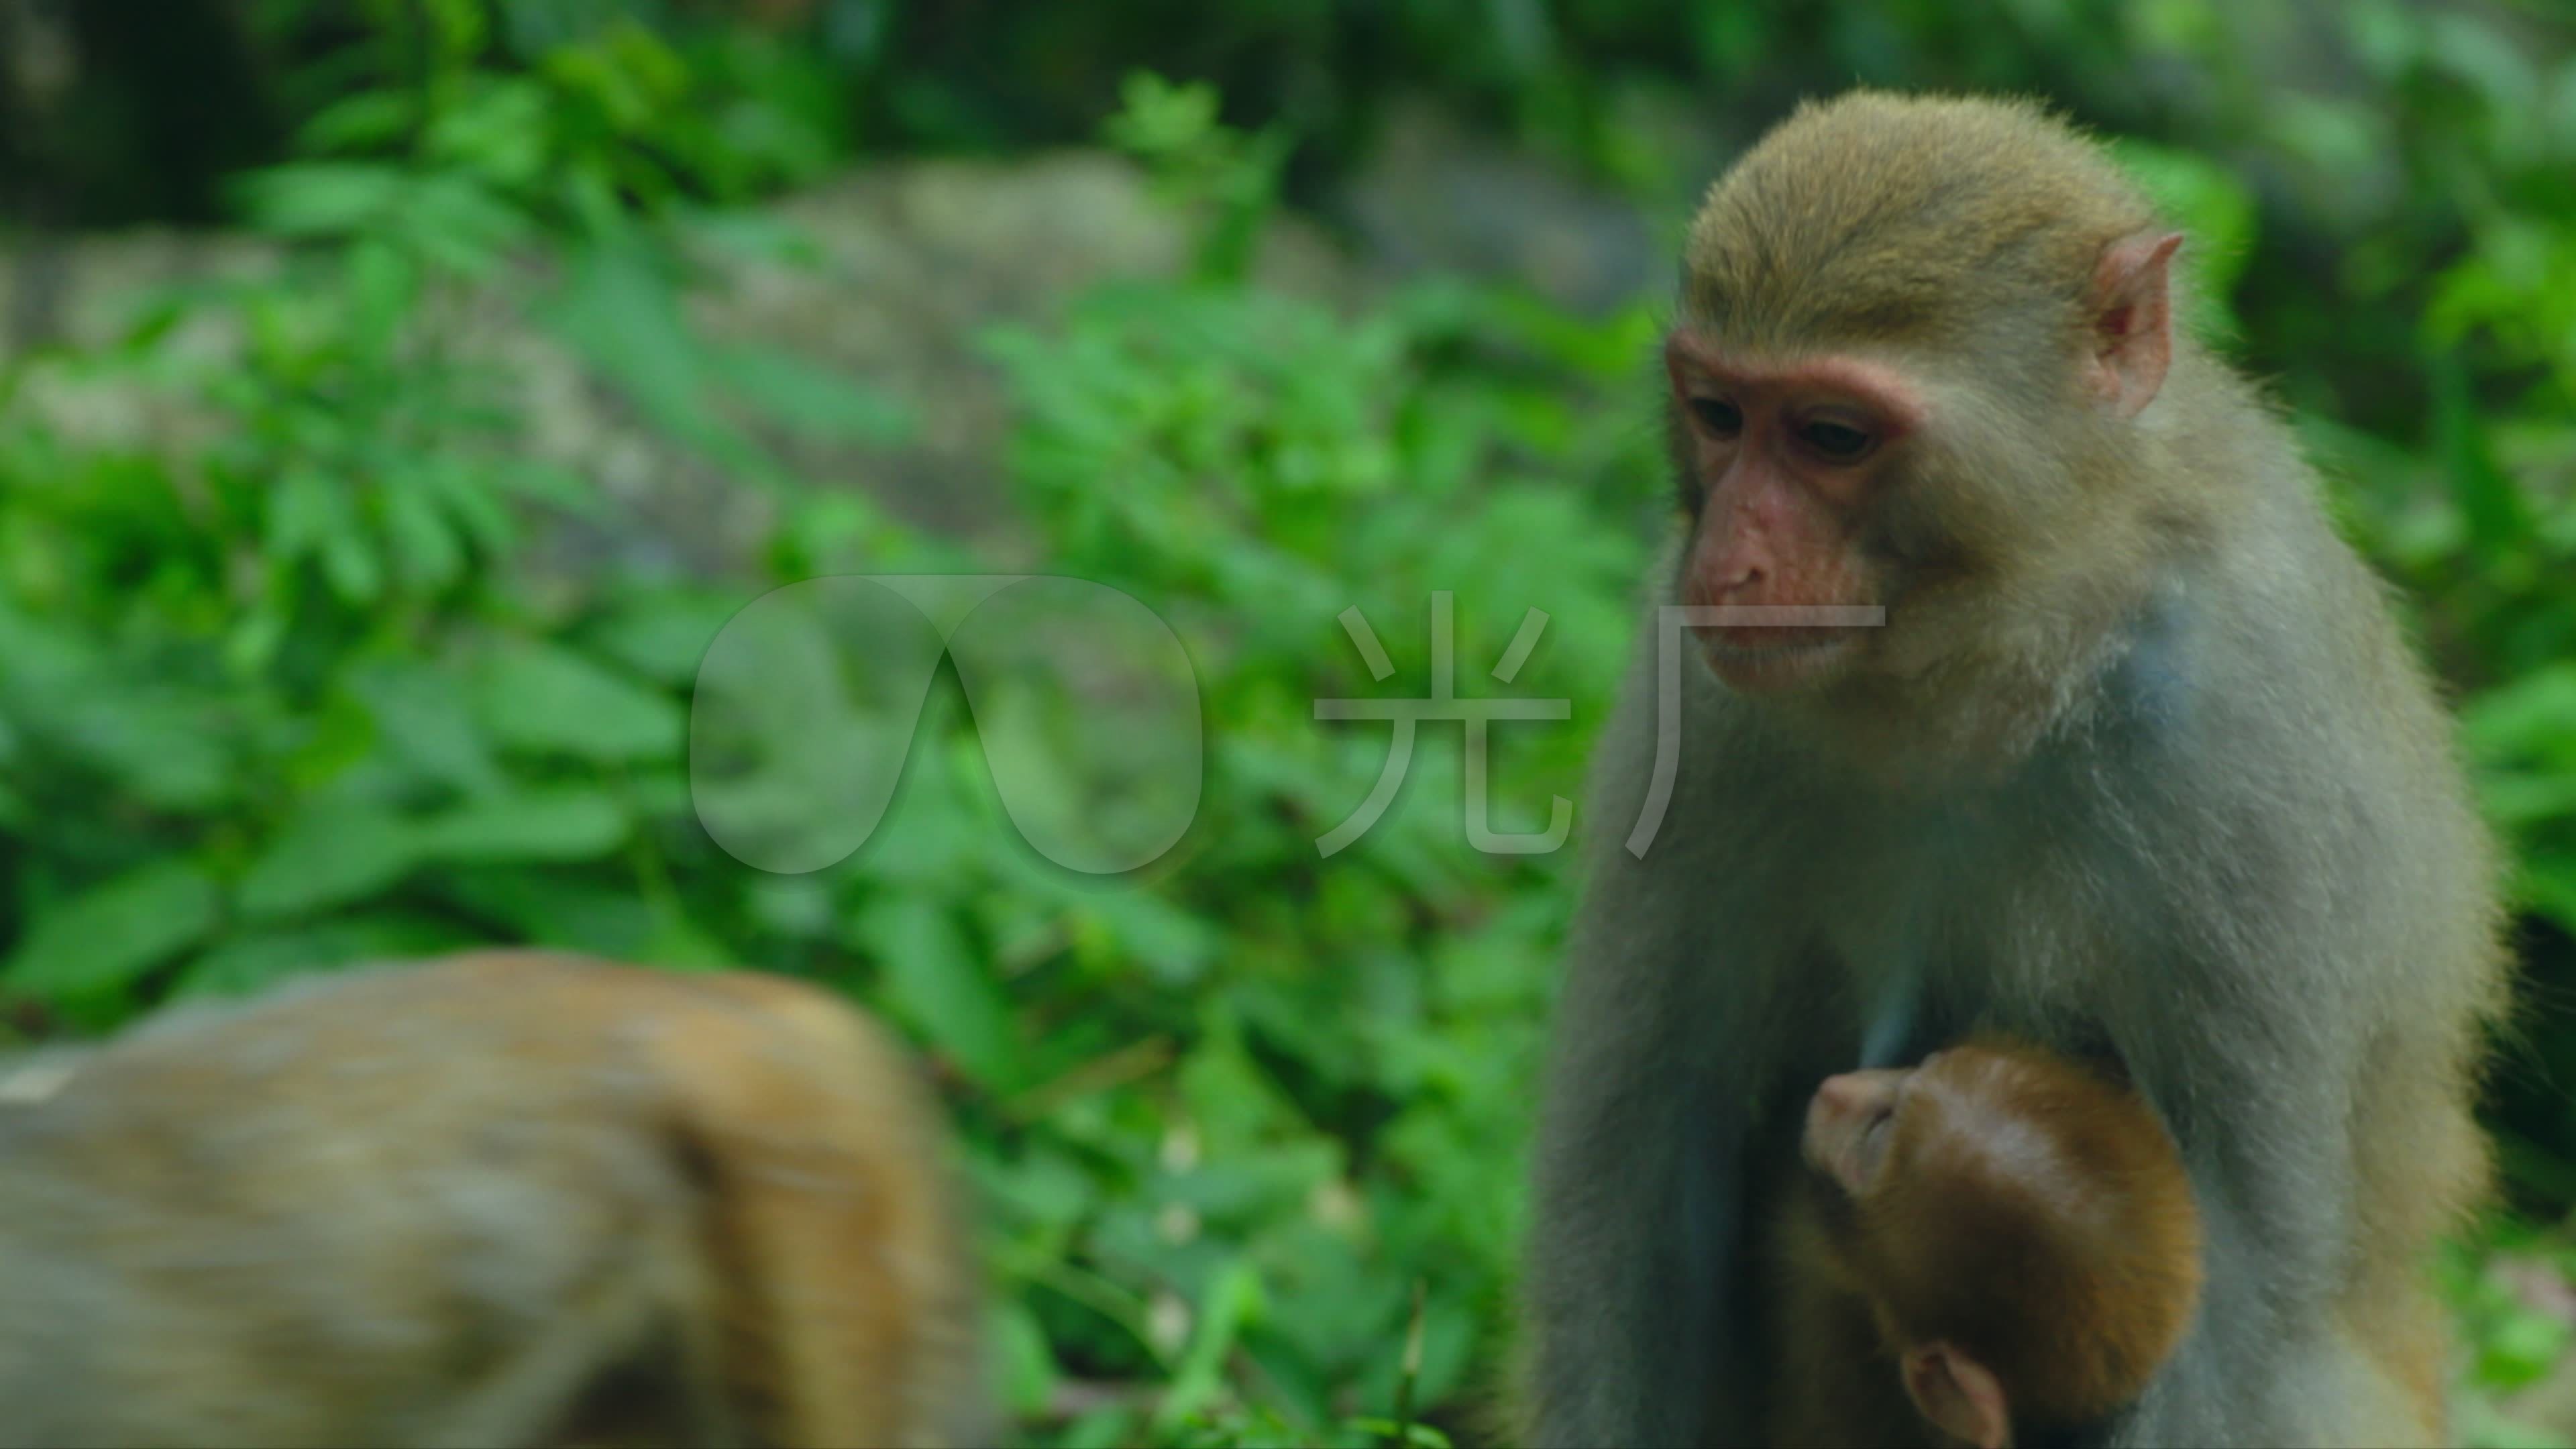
(907, 266)
(918, 261)
(902, 269)
(1436, 197)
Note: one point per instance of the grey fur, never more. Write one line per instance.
(2233, 847)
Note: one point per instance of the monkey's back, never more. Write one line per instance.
(432, 1204)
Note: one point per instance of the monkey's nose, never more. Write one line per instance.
(1836, 1116)
(1842, 1096)
(1837, 1104)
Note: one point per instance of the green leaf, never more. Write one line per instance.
(549, 908)
(571, 822)
(338, 850)
(319, 198)
(457, 222)
(811, 399)
(369, 120)
(624, 320)
(2522, 1347)
(2533, 718)
(547, 698)
(476, 497)
(500, 130)
(2547, 883)
(1232, 1302)
(1028, 1373)
(1174, 945)
(381, 287)
(350, 566)
(38, 656)
(311, 513)
(424, 546)
(303, 509)
(663, 635)
(168, 747)
(934, 979)
(425, 725)
(2498, 516)
(683, 944)
(253, 963)
(112, 933)
(2514, 800)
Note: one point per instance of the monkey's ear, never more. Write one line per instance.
(1958, 1394)
(2133, 320)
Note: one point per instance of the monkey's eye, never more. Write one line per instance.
(1873, 1143)
(1718, 415)
(1836, 442)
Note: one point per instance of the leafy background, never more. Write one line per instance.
(310, 653)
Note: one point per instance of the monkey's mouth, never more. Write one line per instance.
(1771, 656)
(1771, 638)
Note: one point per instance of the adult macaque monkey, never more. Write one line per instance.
(2137, 767)
(507, 1199)
(1997, 1247)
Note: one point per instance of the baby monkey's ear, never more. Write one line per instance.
(1959, 1394)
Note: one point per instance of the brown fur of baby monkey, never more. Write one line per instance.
(2002, 1235)
(507, 1198)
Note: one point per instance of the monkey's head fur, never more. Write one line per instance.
(1877, 219)
(1924, 361)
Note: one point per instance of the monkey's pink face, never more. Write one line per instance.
(1782, 460)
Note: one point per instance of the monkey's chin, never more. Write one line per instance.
(1768, 660)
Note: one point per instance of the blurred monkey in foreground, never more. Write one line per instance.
(2000, 1236)
(500, 1199)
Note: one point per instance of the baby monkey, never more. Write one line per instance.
(2003, 1232)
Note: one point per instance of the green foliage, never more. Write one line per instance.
(283, 698)
(1174, 129)
(289, 685)
(276, 693)
(1355, 1036)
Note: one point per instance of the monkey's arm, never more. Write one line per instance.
(1637, 1315)
(2247, 1033)
(1638, 1215)
(2308, 1024)
(2273, 1178)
